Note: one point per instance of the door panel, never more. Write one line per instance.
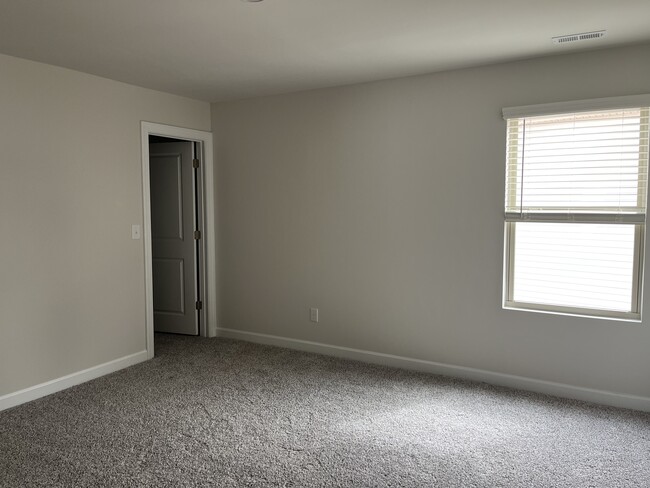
(168, 295)
(167, 197)
(173, 245)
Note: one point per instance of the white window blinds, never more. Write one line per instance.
(572, 165)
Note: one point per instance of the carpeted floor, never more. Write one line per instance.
(218, 412)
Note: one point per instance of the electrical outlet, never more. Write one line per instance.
(313, 314)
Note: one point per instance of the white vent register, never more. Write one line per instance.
(584, 36)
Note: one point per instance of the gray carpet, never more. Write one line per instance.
(217, 412)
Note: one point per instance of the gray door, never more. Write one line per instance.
(173, 218)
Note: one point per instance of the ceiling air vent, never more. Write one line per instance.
(584, 36)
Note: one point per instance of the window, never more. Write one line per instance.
(575, 207)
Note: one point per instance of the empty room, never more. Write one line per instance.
(324, 243)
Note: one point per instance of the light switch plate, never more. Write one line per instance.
(135, 232)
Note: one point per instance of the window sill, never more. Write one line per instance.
(628, 317)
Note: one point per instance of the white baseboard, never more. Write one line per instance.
(519, 382)
(49, 387)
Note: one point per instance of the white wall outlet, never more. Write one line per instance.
(313, 314)
(135, 232)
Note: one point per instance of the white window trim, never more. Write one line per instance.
(587, 105)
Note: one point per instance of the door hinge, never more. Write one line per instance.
(199, 305)
(195, 163)
(197, 234)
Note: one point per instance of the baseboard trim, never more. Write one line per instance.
(563, 390)
(53, 386)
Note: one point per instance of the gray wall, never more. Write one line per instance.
(382, 204)
(71, 278)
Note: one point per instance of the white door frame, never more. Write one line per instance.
(208, 232)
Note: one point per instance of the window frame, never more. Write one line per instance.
(508, 302)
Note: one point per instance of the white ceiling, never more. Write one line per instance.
(227, 49)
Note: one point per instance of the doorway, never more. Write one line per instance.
(175, 180)
(178, 201)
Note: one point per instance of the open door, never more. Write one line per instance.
(174, 232)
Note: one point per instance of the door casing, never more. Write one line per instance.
(209, 328)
